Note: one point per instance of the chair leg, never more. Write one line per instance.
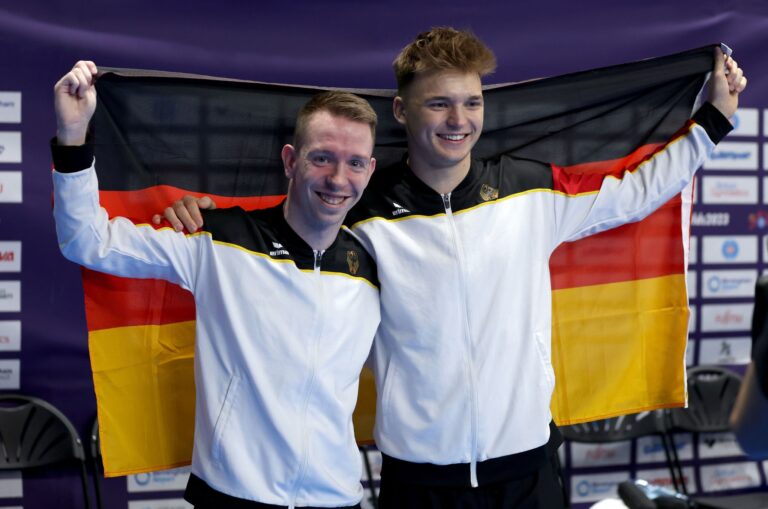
(96, 483)
(678, 478)
(84, 478)
(369, 473)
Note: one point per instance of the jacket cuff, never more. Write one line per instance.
(71, 158)
(713, 121)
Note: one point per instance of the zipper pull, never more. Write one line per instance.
(318, 258)
(446, 201)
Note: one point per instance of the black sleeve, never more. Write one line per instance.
(71, 158)
(714, 122)
(760, 334)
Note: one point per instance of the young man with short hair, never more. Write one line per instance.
(462, 358)
(287, 305)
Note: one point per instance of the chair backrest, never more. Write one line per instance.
(95, 444)
(614, 429)
(712, 392)
(33, 433)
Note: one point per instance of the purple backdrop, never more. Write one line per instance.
(335, 43)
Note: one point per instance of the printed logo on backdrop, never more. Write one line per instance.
(590, 488)
(661, 477)
(164, 480)
(10, 296)
(744, 122)
(690, 283)
(723, 284)
(718, 445)
(10, 146)
(758, 220)
(729, 476)
(729, 190)
(650, 450)
(11, 485)
(729, 249)
(10, 256)
(599, 455)
(10, 335)
(726, 317)
(711, 219)
(727, 351)
(9, 373)
(10, 187)
(167, 503)
(733, 156)
(10, 107)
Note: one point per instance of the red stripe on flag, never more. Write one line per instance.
(588, 177)
(650, 248)
(139, 206)
(133, 301)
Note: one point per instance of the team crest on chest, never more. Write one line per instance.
(488, 193)
(353, 262)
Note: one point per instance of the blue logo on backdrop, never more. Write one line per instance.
(142, 479)
(730, 249)
(596, 487)
(730, 154)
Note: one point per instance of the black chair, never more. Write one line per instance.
(34, 434)
(616, 429)
(712, 393)
(95, 450)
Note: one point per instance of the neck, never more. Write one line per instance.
(442, 179)
(318, 239)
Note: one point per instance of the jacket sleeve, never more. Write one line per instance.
(119, 247)
(586, 204)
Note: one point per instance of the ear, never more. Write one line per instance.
(289, 155)
(373, 164)
(398, 109)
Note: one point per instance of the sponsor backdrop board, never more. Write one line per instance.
(337, 43)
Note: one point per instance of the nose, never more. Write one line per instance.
(456, 116)
(336, 176)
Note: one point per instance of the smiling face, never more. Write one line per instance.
(442, 112)
(327, 173)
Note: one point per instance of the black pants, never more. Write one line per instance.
(540, 490)
(203, 496)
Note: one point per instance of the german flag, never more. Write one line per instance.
(619, 301)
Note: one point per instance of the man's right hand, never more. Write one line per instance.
(185, 213)
(74, 97)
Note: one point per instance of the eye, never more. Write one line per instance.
(475, 103)
(357, 164)
(320, 159)
(438, 105)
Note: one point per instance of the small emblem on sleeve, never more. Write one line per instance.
(353, 261)
(488, 193)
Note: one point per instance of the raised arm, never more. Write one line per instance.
(591, 203)
(86, 234)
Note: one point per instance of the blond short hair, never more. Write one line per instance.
(340, 104)
(443, 48)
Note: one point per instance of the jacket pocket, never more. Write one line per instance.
(223, 418)
(386, 391)
(546, 362)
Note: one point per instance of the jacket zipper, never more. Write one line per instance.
(468, 340)
(311, 381)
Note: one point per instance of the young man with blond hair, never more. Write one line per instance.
(287, 305)
(462, 357)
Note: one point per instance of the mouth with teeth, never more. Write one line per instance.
(331, 199)
(453, 137)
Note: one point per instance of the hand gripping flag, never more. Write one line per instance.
(619, 298)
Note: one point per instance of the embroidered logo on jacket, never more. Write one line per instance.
(279, 250)
(488, 193)
(399, 209)
(353, 262)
